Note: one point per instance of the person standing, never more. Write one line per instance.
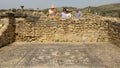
(52, 11)
(63, 13)
(68, 14)
(78, 14)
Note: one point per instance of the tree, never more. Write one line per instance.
(22, 8)
(14, 10)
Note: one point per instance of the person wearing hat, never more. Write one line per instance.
(52, 10)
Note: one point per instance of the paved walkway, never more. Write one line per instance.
(56, 55)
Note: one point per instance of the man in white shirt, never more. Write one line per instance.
(66, 13)
(63, 14)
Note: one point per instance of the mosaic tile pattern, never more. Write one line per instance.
(34, 55)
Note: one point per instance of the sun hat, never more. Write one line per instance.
(52, 6)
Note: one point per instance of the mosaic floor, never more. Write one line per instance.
(60, 55)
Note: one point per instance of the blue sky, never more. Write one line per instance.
(6, 4)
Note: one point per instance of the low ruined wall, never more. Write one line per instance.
(83, 30)
(7, 32)
(95, 29)
(114, 32)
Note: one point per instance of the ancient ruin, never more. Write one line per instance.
(42, 42)
(89, 28)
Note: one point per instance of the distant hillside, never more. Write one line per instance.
(105, 10)
(111, 6)
(112, 10)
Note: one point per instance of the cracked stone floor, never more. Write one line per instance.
(60, 55)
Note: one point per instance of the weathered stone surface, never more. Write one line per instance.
(7, 31)
(56, 55)
(35, 55)
(82, 30)
(114, 32)
(89, 28)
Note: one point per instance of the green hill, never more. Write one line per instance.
(112, 10)
(111, 6)
(105, 10)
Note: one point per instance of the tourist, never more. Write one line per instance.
(52, 11)
(63, 14)
(78, 14)
(68, 14)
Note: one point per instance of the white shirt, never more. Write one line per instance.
(63, 15)
(68, 15)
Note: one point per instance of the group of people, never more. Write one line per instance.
(66, 13)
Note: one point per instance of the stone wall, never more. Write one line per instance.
(7, 32)
(83, 30)
(114, 32)
(86, 29)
